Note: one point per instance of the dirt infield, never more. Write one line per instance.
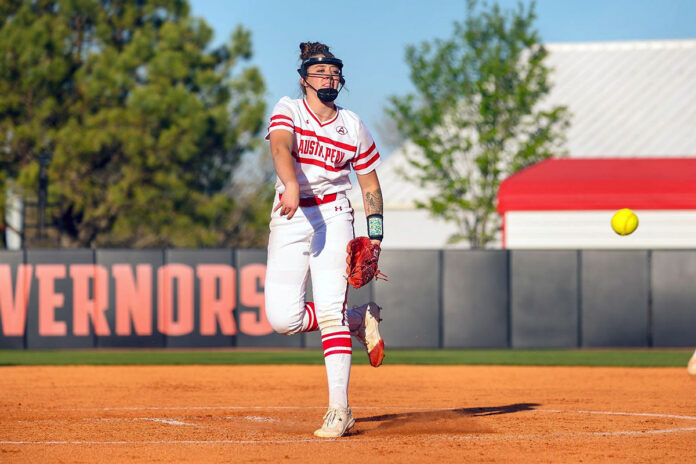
(403, 414)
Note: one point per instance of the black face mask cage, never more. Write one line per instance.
(325, 95)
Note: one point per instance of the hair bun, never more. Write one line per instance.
(309, 49)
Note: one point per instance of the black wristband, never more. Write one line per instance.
(375, 226)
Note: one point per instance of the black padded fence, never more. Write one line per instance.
(183, 298)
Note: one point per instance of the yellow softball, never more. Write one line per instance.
(624, 221)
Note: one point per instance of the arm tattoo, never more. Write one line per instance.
(373, 202)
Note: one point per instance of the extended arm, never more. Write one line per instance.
(281, 150)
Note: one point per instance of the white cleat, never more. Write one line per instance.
(368, 332)
(337, 422)
(691, 367)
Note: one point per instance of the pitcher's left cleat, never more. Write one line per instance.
(691, 367)
(368, 332)
(337, 422)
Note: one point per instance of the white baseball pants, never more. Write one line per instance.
(312, 242)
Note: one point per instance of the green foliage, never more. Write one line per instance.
(145, 123)
(477, 116)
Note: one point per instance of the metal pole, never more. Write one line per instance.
(44, 160)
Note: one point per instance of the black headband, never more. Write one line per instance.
(318, 60)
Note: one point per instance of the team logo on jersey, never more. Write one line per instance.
(341, 130)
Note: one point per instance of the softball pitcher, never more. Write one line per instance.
(314, 144)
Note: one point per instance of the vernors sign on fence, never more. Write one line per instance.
(53, 298)
(89, 298)
(133, 288)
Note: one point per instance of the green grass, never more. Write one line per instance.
(587, 357)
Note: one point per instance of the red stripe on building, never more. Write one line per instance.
(310, 133)
(601, 184)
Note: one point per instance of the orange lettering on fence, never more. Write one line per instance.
(253, 278)
(133, 298)
(165, 301)
(13, 305)
(49, 300)
(84, 307)
(213, 308)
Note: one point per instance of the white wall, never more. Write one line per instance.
(412, 229)
(592, 229)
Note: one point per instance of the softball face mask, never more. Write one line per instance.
(327, 95)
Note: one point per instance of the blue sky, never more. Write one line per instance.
(370, 36)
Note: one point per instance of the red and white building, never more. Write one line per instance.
(568, 203)
(631, 144)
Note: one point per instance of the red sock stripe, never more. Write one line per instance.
(311, 312)
(338, 351)
(336, 343)
(342, 331)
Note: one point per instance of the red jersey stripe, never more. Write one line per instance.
(335, 143)
(280, 123)
(359, 167)
(319, 163)
(281, 116)
(366, 152)
(367, 159)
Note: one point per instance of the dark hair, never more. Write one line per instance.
(310, 49)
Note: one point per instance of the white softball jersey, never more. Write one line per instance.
(324, 152)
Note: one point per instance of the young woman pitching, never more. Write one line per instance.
(315, 144)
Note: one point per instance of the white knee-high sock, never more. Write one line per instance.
(337, 356)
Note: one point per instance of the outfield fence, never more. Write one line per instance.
(154, 298)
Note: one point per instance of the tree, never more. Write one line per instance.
(145, 123)
(478, 115)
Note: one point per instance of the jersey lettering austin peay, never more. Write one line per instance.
(321, 151)
(315, 144)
